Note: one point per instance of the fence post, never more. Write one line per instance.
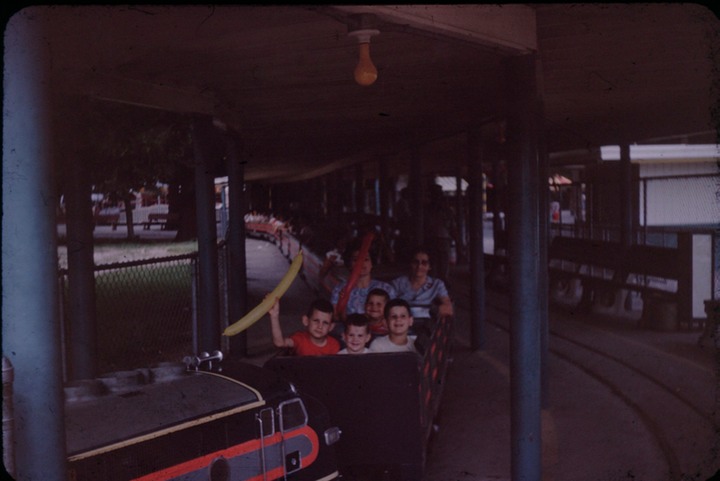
(236, 262)
(223, 270)
(203, 136)
(196, 347)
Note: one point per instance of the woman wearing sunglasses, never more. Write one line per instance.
(428, 296)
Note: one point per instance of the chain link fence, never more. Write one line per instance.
(145, 311)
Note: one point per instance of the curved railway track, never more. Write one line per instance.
(660, 402)
(662, 384)
(676, 399)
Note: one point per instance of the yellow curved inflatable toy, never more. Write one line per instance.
(261, 309)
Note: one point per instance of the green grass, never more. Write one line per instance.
(144, 314)
(108, 252)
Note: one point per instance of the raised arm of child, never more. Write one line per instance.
(277, 335)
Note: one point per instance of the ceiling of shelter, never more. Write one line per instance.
(282, 76)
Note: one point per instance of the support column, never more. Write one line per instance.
(30, 315)
(417, 196)
(523, 248)
(81, 318)
(324, 197)
(335, 200)
(626, 208)
(208, 288)
(385, 209)
(460, 248)
(237, 297)
(359, 192)
(476, 254)
(543, 261)
(500, 204)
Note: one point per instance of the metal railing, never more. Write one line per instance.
(671, 215)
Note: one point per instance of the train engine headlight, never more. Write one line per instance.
(332, 435)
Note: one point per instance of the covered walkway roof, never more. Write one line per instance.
(282, 76)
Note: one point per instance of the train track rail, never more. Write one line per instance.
(676, 399)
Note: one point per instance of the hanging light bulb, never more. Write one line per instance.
(365, 72)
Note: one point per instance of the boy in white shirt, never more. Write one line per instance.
(399, 320)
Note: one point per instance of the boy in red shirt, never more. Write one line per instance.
(314, 339)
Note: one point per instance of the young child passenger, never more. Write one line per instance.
(374, 310)
(364, 284)
(314, 339)
(356, 335)
(399, 320)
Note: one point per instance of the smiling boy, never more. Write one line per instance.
(399, 321)
(356, 335)
(314, 339)
(374, 310)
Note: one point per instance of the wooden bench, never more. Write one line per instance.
(385, 404)
(606, 271)
(662, 276)
(595, 264)
(653, 270)
(159, 219)
(107, 219)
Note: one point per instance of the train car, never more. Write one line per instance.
(199, 420)
(386, 404)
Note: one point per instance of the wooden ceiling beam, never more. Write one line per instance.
(507, 28)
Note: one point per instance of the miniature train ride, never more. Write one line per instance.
(355, 417)
(199, 420)
(385, 404)
(297, 418)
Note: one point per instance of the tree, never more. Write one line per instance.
(129, 148)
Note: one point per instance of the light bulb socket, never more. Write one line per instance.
(364, 35)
